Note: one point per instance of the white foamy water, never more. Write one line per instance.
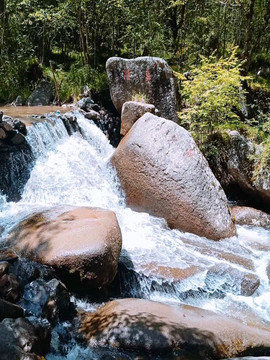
(75, 170)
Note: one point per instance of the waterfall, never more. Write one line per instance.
(75, 170)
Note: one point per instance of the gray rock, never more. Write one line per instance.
(42, 95)
(131, 112)
(87, 104)
(231, 280)
(92, 115)
(234, 165)
(18, 101)
(164, 173)
(149, 76)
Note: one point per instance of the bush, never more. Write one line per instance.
(213, 95)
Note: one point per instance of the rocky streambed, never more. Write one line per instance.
(127, 253)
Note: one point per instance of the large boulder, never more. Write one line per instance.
(164, 173)
(131, 112)
(143, 325)
(83, 244)
(235, 166)
(42, 95)
(147, 76)
(244, 215)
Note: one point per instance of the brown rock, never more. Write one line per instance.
(4, 265)
(8, 255)
(7, 126)
(9, 288)
(164, 173)
(3, 134)
(167, 273)
(143, 325)
(131, 112)
(244, 215)
(149, 76)
(82, 243)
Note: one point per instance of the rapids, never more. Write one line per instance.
(75, 170)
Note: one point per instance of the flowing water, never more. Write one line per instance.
(75, 170)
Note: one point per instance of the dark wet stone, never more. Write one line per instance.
(31, 338)
(9, 310)
(9, 288)
(50, 300)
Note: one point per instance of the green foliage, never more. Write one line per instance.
(72, 82)
(213, 95)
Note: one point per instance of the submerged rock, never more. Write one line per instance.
(231, 280)
(143, 325)
(82, 244)
(244, 215)
(150, 77)
(164, 173)
(30, 338)
(131, 112)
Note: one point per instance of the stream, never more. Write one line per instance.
(75, 170)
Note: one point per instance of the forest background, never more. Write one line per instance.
(222, 44)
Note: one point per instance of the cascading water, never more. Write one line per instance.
(75, 170)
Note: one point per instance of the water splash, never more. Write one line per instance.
(76, 170)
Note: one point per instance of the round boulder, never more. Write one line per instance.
(164, 173)
(83, 244)
(144, 325)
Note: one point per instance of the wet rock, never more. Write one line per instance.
(30, 338)
(4, 266)
(50, 300)
(26, 271)
(87, 104)
(17, 138)
(15, 165)
(9, 288)
(229, 279)
(9, 310)
(142, 325)
(82, 244)
(42, 95)
(173, 179)
(244, 215)
(131, 112)
(9, 346)
(149, 76)
(92, 115)
(1, 116)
